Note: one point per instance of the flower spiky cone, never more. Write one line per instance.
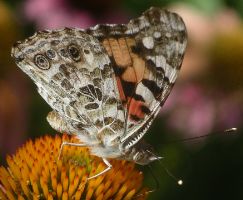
(35, 172)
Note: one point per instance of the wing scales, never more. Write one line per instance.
(147, 54)
(112, 89)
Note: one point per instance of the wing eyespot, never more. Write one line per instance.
(74, 52)
(51, 54)
(41, 62)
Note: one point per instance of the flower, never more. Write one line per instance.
(190, 110)
(203, 30)
(195, 110)
(35, 172)
(61, 13)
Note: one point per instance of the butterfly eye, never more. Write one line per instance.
(41, 62)
(50, 54)
(74, 52)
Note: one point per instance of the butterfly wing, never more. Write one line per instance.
(146, 56)
(73, 74)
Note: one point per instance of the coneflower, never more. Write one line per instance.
(35, 172)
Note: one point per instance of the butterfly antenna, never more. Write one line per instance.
(180, 181)
(177, 180)
(155, 180)
(231, 130)
(228, 131)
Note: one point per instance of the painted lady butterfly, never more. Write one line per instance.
(106, 84)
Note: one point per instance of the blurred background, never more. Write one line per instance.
(207, 98)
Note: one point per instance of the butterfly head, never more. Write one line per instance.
(145, 157)
(142, 154)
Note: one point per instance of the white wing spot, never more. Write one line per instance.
(157, 34)
(168, 35)
(148, 42)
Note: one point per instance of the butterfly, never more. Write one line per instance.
(106, 84)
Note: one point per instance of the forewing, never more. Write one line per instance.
(146, 55)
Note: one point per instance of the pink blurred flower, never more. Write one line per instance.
(196, 111)
(55, 14)
(202, 30)
(61, 13)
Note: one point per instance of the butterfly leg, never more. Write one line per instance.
(70, 144)
(109, 166)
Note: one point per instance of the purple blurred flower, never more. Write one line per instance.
(230, 111)
(55, 14)
(61, 13)
(196, 111)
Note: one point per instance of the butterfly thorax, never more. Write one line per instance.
(141, 153)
